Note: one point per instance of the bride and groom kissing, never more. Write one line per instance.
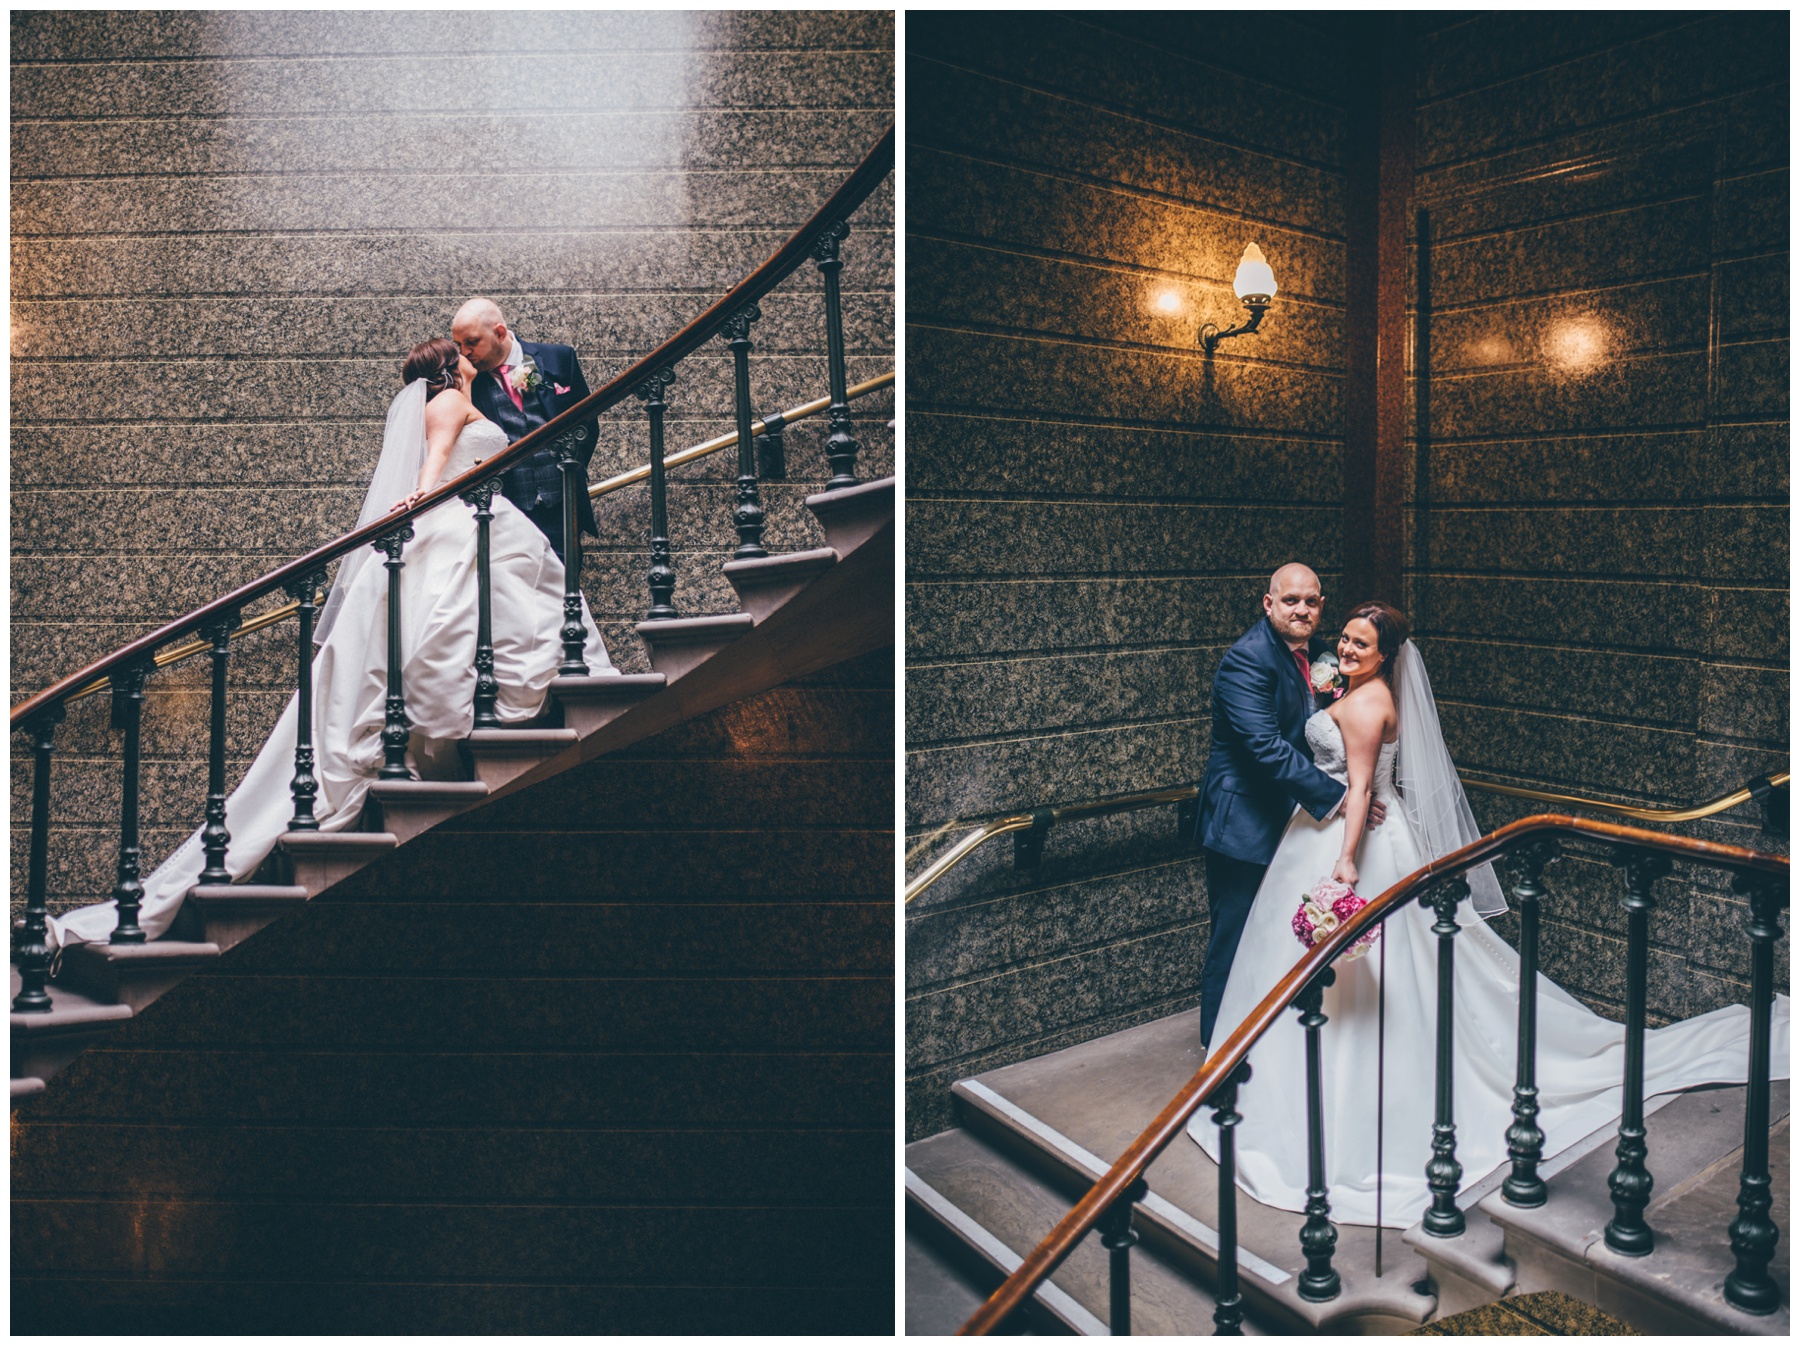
(462, 401)
(1342, 774)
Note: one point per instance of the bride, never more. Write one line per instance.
(1382, 738)
(433, 434)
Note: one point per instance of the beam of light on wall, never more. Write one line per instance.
(1168, 301)
(1493, 349)
(1578, 345)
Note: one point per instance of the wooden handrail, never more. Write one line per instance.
(850, 194)
(1180, 794)
(1173, 1119)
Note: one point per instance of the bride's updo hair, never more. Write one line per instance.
(1391, 631)
(438, 362)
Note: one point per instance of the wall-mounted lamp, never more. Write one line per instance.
(1255, 285)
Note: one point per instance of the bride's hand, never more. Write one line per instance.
(1344, 872)
(406, 502)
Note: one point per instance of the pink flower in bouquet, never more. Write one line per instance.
(1325, 907)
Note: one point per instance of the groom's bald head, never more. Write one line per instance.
(481, 334)
(1294, 602)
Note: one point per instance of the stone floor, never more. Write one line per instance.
(1546, 1314)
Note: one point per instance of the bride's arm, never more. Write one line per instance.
(445, 416)
(1361, 723)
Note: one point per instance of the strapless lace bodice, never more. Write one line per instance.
(1327, 743)
(479, 441)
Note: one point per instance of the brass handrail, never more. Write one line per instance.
(1219, 1065)
(1180, 794)
(571, 424)
(174, 654)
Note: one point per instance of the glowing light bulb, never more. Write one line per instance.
(1169, 301)
(1254, 275)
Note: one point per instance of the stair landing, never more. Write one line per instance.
(1075, 1111)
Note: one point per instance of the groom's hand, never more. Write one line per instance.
(1377, 813)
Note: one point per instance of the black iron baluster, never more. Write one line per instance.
(840, 444)
(34, 941)
(574, 635)
(662, 562)
(771, 448)
(1117, 1236)
(1318, 1237)
(748, 517)
(397, 729)
(128, 714)
(1443, 1175)
(487, 687)
(1631, 1183)
(215, 837)
(1524, 1138)
(305, 591)
(1228, 1311)
(1753, 1234)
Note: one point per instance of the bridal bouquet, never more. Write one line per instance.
(1324, 909)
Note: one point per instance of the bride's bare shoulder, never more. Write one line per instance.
(1369, 708)
(450, 408)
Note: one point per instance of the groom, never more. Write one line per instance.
(519, 385)
(1260, 765)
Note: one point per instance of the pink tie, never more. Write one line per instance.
(1305, 668)
(512, 392)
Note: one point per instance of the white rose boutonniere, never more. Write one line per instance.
(1326, 676)
(526, 377)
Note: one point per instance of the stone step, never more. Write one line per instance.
(590, 704)
(854, 514)
(1070, 1114)
(321, 859)
(1695, 1150)
(980, 1198)
(43, 1042)
(133, 974)
(941, 1292)
(497, 756)
(406, 808)
(765, 583)
(679, 646)
(228, 914)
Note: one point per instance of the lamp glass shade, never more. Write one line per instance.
(1254, 276)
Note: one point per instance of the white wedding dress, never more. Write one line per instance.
(1580, 1055)
(437, 631)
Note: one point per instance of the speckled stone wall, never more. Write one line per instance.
(1599, 522)
(229, 227)
(1093, 509)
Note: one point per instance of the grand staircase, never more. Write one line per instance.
(609, 1021)
(1036, 1135)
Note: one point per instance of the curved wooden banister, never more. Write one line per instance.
(850, 194)
(1180, 794)
(1219, 1065)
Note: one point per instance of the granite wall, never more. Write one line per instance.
(1598, 529)
(228, 228)
(1093, 508)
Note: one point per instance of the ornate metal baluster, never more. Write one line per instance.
(840, 445)
(1631, 1182)
(305, 591)
(1318, 1237)
(128, 714)
(662, 563)
(1228, 1312)
(748, 517)
(34, 944)
(1117, 1236)
(214, 837)
(487, 688)
(574, 634)
(1753, 1234)
(1524, 1138)
(1443, 1175)
(397, 728)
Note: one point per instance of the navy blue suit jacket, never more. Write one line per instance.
(536, 483)
(1260, 765)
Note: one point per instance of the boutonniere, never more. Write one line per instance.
(526, 377)
(1326, 677)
